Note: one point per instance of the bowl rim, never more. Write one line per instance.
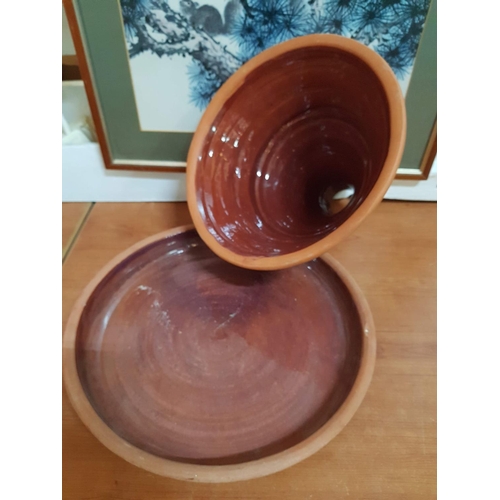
(214, 473)
(397, 123)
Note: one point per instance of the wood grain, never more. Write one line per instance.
(387, 451)
(73, 215)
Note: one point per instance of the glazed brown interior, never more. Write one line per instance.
(304, 126)
(190, 358)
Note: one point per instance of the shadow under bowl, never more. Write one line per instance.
(286, 139)
(192, 368)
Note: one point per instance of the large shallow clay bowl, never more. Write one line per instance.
(293, 130)
(192, 368)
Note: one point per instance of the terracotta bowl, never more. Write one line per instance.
(284, 141)
(192, 368)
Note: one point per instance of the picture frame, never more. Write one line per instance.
(103, 50)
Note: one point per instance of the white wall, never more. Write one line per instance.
(85, 179)
(415, 190)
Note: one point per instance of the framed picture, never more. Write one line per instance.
(150, 67)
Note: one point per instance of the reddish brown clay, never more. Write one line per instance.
(192, 368)
(284, 135)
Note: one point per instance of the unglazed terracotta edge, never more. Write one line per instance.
(214, 473)
(397, 114)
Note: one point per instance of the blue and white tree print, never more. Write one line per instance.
(216, 41)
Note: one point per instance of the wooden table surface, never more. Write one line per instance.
(387, 451)
(73, 216)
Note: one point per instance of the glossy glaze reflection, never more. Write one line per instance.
(302, 127)
(190, 358)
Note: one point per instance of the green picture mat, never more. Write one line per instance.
(102, 33)
(421, 98)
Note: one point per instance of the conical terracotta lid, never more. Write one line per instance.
(284, 140)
